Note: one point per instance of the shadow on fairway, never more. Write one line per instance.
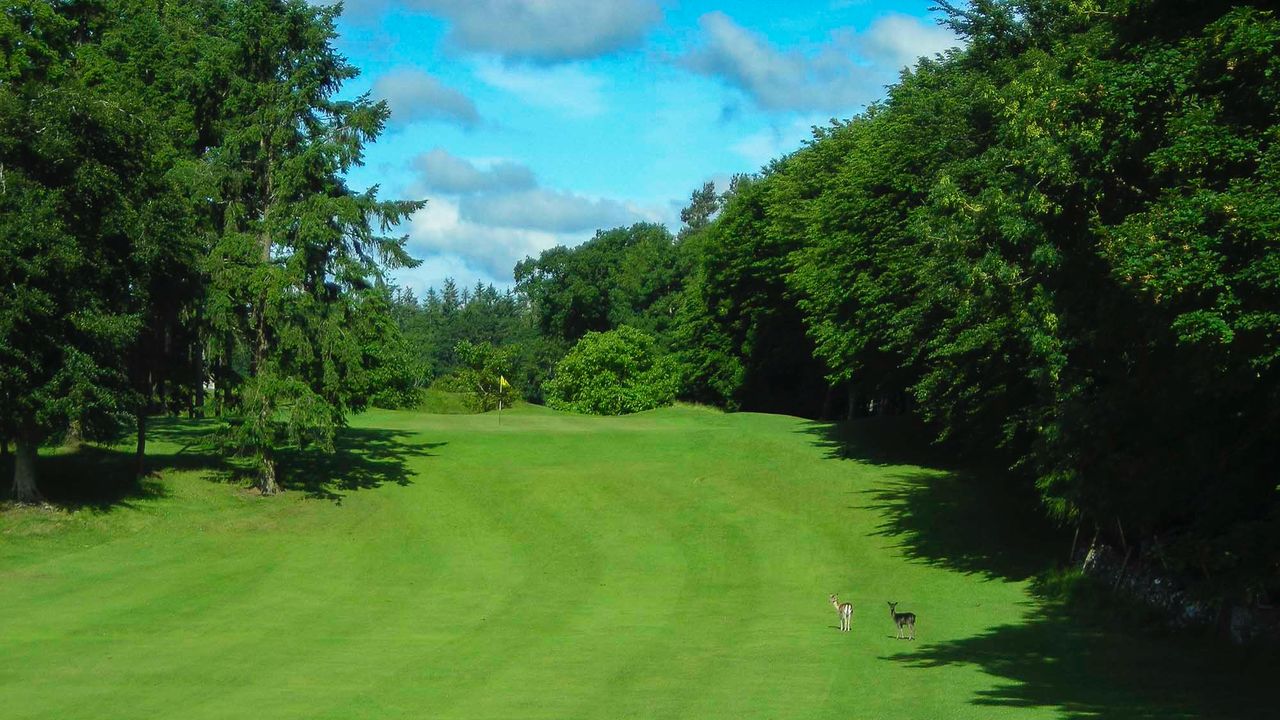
(966, 523)
(883, 441)
(363, 459)
(90, 478)
(975, 521)
(1055, 661)
(100, 478)
(988, 524)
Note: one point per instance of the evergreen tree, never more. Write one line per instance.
(704, 203)
(78, 229)
(299, 256)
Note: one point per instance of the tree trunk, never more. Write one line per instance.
(828, 402)
(267, 476)
(222, 381)
(24, 473)
(140, 454)
(198, 350)
(264, 240)
(1071, 558)
(75, 433)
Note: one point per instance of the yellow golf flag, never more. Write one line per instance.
(502, 383)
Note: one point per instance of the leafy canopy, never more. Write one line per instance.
(613, 373)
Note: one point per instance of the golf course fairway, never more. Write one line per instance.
(672, 564)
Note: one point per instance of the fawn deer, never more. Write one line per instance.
(845, 611)
(907, 620)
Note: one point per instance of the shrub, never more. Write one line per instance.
(613, 373)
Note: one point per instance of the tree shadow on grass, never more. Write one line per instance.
(100, 478)
(363, 459)
(882, 441)
(977, 521)
(1053, 660)
(966, 523)
(988, 523)
(90, 478)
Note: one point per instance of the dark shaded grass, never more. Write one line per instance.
(1079, 659)
(101, 478)
(1094, 670)
(89, 478)
(362, 459)
(956, 516)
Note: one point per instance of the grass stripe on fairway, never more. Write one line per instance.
(670, 564)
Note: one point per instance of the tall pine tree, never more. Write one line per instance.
(295, 267)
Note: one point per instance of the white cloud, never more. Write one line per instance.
(446, 173)
(548, 211)
(566, 89)
(416, 96)
(436, 268)
(545, 30)
(491, 214)
(440, 229)
(898, 41)
(831, 79)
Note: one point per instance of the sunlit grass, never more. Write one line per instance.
(675, 563)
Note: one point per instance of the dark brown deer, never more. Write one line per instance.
(907, 620)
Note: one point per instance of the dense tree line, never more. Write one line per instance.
(439, 327)
(1055, 245)
(173, 216)
(1060, 243)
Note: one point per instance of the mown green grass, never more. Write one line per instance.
(670, 564)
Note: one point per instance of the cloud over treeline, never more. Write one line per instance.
(415, 95)
(842, 74)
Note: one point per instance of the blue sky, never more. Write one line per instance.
(532, 123)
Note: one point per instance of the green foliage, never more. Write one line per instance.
(739, 335)
(433, 326)
(633, 535)
(704, 203)
(280, 412)
(438, 400)
(625, 276)
(613, 373)
(80, 216)
(1056, 244)
(394, 374)
(297, 255)
(171, 192)
(482, 370)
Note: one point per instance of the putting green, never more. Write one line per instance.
(670, 564)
